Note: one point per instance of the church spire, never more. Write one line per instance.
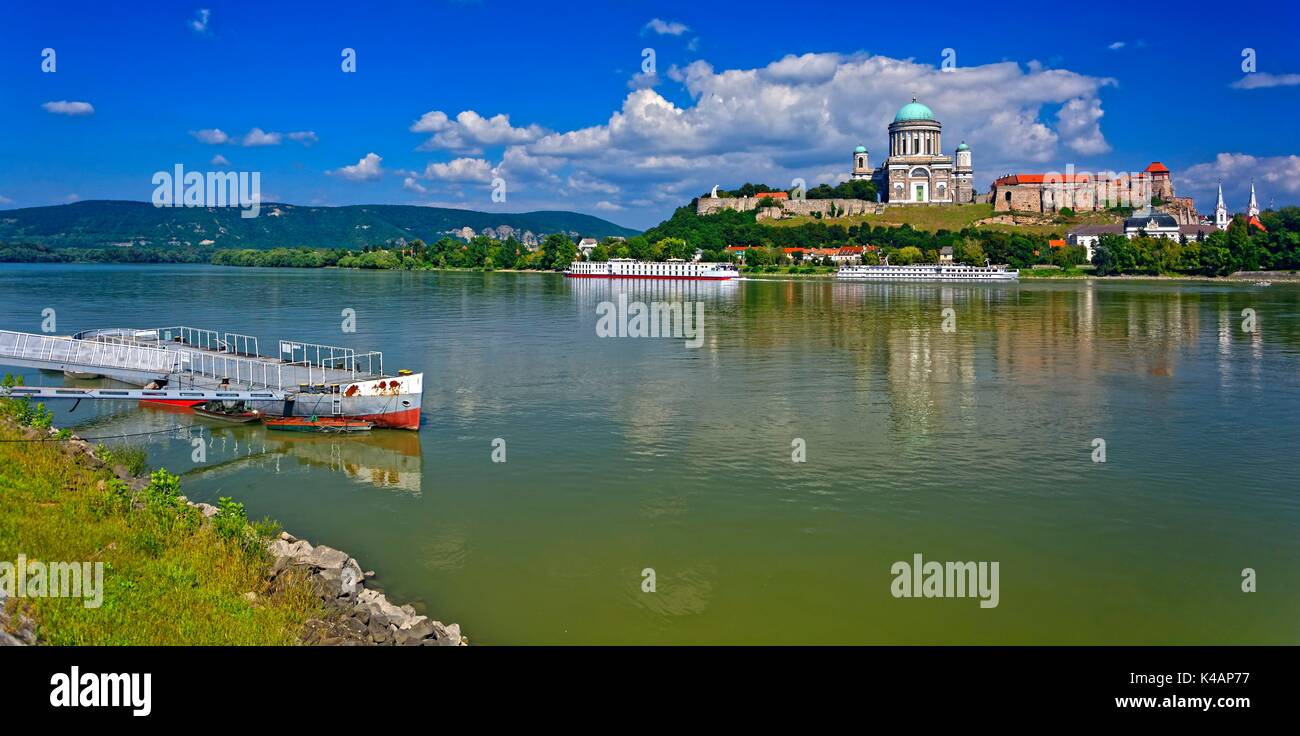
(1221, 210)
(1252, 209)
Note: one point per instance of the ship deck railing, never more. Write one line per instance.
(212, 357)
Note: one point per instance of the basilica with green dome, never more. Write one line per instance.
(916, 170)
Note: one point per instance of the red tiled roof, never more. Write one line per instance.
(1056, 243)
(1255, 222)
(1043, 179)
(737, 247)
(1157, 168)
(772, 195)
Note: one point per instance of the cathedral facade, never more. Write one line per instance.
(916, 170)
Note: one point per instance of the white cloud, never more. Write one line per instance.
(1116, 46)
(259, 137)
(64, 107)
(411, 184)
(305, 137)
(1262, 80)
(72, 198)
(366, 169)
(5, 200)
(199, 23)
(461, 169)
(798, 116)
(666, 28)
(219, 160)
(469, 131)
(607, 206)
(1079, 123)
(214, 136)
(1275, 177)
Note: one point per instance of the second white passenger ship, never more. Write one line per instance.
(627, 268)
(928, 272)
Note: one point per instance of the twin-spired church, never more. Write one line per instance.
(917, 171)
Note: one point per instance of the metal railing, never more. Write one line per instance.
(333, 357)
(86, 353)
(192, 336)
(241, 344)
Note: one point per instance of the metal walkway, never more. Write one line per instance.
(191, 359)
(136, 394)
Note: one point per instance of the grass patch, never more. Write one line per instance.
(170, 577)
(955, 218)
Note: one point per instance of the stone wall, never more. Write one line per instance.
(789, 208)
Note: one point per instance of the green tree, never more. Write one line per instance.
(558, 251)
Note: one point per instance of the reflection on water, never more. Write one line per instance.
(627, 454)
(387, 459)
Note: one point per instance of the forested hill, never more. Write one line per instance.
(101, 223)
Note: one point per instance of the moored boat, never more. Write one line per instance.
(928, 272)
(627, 268)
(237, 415)
(318, 424)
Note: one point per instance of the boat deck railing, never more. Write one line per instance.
(197, 352)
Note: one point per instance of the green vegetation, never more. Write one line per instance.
(1241, 248)
(852, 189)
(169, 576)
(110, 224)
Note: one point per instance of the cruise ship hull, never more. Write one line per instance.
(647, 276)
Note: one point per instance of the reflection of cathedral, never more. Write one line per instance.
(916, 171)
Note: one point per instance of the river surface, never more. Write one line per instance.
(630, 455)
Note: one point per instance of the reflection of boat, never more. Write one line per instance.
(239, 415)
(82, 375)
(183, 403)
(317, 424)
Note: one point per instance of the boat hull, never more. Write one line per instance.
(657, 278)
(390, 403)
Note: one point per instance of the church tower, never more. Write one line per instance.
(1252, 209)
(861, 168)
(963, 176)
(1221, 218)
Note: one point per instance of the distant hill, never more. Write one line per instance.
(99, 223)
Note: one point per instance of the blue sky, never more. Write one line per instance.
(552, 99)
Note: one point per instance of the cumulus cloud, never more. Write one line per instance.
(259, 137)
(1116, 46)
(797, 116)
(254, 137)
(461, 169)
(214, 136)
(1275, 177)
(366, 169)
(666, 28)
(1263, 80)
(470, 131)
(64, 107)
(1079, 123)
(219, 160)
(199, 23)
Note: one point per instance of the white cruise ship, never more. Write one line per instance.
(627, 268)
(928, 272)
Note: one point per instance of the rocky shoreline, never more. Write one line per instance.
(354, 614)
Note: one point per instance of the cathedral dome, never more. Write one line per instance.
(913, 111)
(962, 146)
